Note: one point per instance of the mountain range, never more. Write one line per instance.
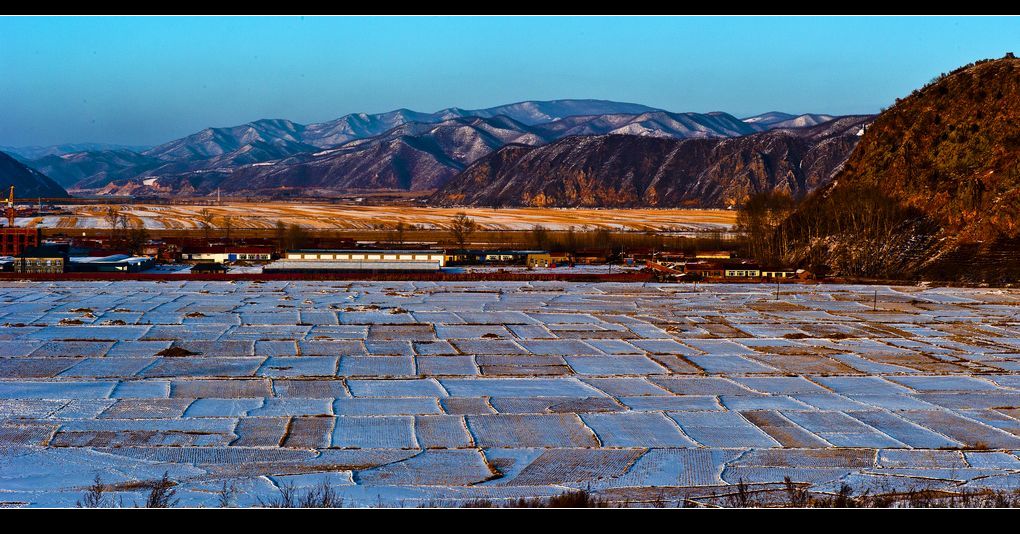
(632, 171)
(397, 150)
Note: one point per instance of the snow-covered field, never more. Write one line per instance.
(407, 394)
(264, 215)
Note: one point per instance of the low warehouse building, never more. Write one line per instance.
(118, 263)
(367, 256)
(364, 261)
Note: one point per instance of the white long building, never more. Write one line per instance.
(328, 260)
(361, 255)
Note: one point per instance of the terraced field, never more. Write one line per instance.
(404, 394)
(264, 215)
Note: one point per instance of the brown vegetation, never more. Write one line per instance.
(931, 191)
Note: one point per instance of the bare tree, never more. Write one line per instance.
(761, 219)
(603, 239)
(400, 229)
(280, 233)
(205, 218)
(571, 240)
(461, 227)
(112, 217)
(137, 236)
(228, 224)
(296, 237)
(123, 225)
(540, 237)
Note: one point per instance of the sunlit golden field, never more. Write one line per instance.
(242, 216)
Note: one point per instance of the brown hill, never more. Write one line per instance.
(932, 189)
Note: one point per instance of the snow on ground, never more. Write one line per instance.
(412, 393)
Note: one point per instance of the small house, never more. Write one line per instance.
(548, 259)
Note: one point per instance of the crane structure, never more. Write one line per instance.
(11, 211)
(14, 240)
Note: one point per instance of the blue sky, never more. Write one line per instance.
(148, 80)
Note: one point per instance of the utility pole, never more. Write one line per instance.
(874, 303)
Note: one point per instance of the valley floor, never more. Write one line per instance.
(414, 393)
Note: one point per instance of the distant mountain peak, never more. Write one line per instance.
(778, 119)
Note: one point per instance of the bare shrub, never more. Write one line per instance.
(321, 496)
(94, 496)
(162, 493)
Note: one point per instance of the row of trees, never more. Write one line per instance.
(462, 228)
(856, 227)
(125, 232)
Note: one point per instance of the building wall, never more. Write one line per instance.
(546, 260)
(250, 256)
(15, 240)
(707, 273)
(39, 265)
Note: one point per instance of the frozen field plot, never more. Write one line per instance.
(418, 393)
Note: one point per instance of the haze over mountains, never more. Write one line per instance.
(401, 150)
(25, 153)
